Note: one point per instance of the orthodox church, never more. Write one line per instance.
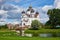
(28, 16)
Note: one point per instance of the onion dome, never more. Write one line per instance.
(23, 11)
(30, 7)
(37, 12)
(32, 11)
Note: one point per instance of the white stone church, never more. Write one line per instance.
(28, 16)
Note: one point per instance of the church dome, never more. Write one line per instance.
(30, 6)
(37, 12)
(30, 9)
(23, 11)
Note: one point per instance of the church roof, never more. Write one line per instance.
(37, 12)
(30, 6)
(30, 9)
(23, 11)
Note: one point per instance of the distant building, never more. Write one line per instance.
(10, 26)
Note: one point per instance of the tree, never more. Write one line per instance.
(54, 17)
(35, 24)
(3, 26)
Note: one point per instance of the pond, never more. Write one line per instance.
(44, 35)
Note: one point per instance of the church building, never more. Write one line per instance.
(28, 16)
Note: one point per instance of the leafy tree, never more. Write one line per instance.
(54, 17)
(3, 26)
(35, 24)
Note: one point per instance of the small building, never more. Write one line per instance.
(58, 26)
(10, 26)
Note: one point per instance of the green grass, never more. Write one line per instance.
(43, 31)
(27, 38)
(11, 35)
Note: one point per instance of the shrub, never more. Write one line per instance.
(48, 27)
(3, 26)
(35, 25)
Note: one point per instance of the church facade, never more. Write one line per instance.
(28, 16)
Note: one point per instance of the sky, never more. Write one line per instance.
(10, 10)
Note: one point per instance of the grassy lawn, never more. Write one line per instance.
(10, 35)
(43, 31)
(27, 38)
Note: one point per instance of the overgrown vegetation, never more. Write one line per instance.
(10, 35)
(35, 25)
(54, 18)
(43, 31)
(37, 32)
(3, 26)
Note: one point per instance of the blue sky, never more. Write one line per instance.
(34, 3)
(10, 10)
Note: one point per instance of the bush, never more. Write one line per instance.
(48, 27)
(35, 25)
(3, 26)
(34, 32)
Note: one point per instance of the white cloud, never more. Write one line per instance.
(19, 10)
(2, 2)
(47, 7)
(2, 23)
(16, 22)
(44, 20)
(11, 11)
(13, 21)
(12, 7)
(3, 12)
(17, 1)
(57, 4)
(2, 20)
